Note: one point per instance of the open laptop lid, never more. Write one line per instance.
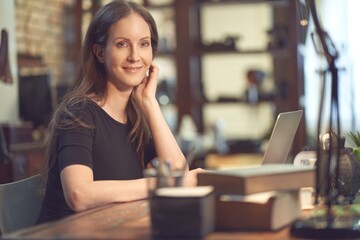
(282, 137)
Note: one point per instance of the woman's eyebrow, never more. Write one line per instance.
(127, 39)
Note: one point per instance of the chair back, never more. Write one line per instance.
(20, 203)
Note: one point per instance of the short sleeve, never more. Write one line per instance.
(75, 143)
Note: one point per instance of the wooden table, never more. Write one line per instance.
(120, 221)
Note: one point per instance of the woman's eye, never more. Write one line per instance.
(145, 44)
(121, 44)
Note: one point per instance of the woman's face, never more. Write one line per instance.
(128, 53)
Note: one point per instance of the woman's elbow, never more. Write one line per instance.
(76, 200)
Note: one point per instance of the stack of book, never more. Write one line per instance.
(265, 197)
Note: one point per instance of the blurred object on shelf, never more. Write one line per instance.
(254, 80)
(255, 76)
(228, 43)
(254, 92)
(278, 38)
(220, 142)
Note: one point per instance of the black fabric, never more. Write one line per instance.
(104, 147)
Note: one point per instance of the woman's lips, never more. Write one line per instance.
(132, 69)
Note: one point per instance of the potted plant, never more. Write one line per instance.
(355, 137)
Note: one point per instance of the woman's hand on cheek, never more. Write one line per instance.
(146, 90)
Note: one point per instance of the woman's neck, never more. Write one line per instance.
(115, 103)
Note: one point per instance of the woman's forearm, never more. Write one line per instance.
(165, 143)
(83, 193)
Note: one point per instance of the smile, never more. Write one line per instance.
(132, 69)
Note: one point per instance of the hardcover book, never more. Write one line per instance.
(262, 211)
(258, 179)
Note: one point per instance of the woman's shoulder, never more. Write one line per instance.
(82, 105)
(82, 109)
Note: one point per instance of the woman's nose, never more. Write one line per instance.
(133, 55)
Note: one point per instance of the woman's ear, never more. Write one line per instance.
(98, 51)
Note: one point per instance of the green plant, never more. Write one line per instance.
(355, 137)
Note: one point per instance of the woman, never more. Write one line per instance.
(102, 132)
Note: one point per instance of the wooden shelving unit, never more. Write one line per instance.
(287, 61)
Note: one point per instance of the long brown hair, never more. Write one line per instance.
(90, 80)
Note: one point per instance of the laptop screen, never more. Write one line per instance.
(282, 137)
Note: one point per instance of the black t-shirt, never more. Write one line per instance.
(104, 147)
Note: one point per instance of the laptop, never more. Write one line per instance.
(282, 137)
